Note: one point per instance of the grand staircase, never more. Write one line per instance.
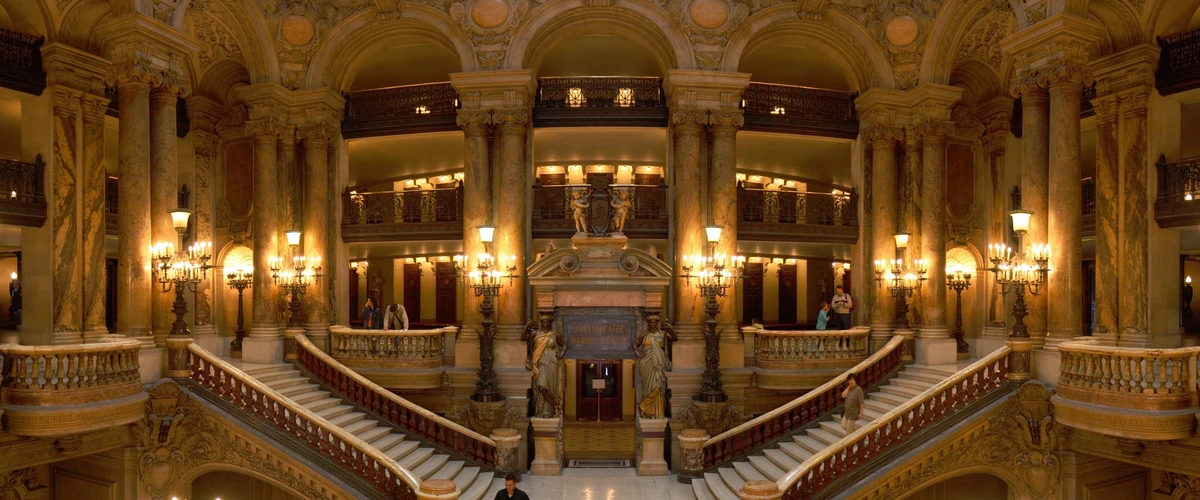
(423, 460)
(787, 454)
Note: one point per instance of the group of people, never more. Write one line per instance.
(838, 313)
(392, 318)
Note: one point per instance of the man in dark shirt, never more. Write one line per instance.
(510, 491)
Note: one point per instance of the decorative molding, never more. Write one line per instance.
(490, 24)
(901, 27)
(216, 40)
(708, 25)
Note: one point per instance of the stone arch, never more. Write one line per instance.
(864, 61)
(219, 77)
(980, 81)
(636, 20)
(364, 35)
(1016, 488)
(945, 46)
(30, 17)
(79, 23)
(192, 474)
(246, 22)
(1165, 17)
(1120, 24)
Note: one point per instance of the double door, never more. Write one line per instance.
(598, 390)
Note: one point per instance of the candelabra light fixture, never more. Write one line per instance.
(295, 278)
(1018, 271)
(712, 274)
(901, 279)
(958, 279)
(180, 270)
(239, 279)
(485, 277)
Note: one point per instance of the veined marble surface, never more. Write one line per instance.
(601, 484)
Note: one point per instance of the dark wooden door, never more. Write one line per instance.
(446, 296)
(752, 293)
(598, 390)
(412, 292)
(787, 293)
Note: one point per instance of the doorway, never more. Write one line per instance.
(598, 390)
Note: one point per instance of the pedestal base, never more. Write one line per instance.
(484, 418)
(289, 341)
(907, 350)
(547, 436)
(650, 460)
(152, 363)
(714, 418)
(262, 349)
(941, 351)
(691, 461)
(879, 336)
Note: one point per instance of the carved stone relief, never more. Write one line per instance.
(216, 40)
(982, 42)
(708, 23)
(490, 23)
(901, 27)
(19, 484)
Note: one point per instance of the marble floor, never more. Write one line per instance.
(602, 484)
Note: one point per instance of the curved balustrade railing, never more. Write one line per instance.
(1130, 378)
(413, 419)
(70, 374)
(800, 412)
(348, 451)
(894, 427)
(380, 348)
(800, 349)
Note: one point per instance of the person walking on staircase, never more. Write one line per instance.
(854, 404)
(510, 491)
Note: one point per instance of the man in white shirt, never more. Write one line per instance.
(396, 318)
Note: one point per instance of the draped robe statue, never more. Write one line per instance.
(652, 367)
(546, 348)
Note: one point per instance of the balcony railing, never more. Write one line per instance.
(797, 216)
(410, 109)
(1147, 394)
(600, 101)
(21, 62)
(410, 359)
(1178, 201)
(798, 359)
(69, 389)
(800, 110)
(22, 193)
(1179, 62)
(553, 216)
(428, 214)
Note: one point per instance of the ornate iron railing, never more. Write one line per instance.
(264, 404)
(896, 426)
(800, 412)
(21, 62)
(553, 216)
(409, 109)
(1178, 193)
(800, 110)
(600, 100)
(427, 214)
(797, 216)
(1179, 62)
(22, 193)
(398, 411)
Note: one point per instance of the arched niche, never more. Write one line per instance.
(233, 482)
(234, 257)
(403, 60)
(841, 42)
(610, 42)
(795, 59)
(978, 81)
(366, 53)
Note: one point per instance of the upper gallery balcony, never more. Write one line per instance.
(21, 62)
(1179, 62)
(799, 110)
(22, 193)
(597, 188)
(777, 212)
(408, 109)
(1178, 190)
(600, 101)
(416, 214)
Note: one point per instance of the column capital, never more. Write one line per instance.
(879, 133)
(688, 117)
(511, 117)
(705, 89)
(996, 114)
(726, 120)
(204, 142)
(66, 65)
(65, 100)
(935, 131)
(263, 128)
(143, 49)
(94, 107)
(1135, 101)
(474, 120)
(1107, 107)
(995, 143)
(204, 113)
(495, 89)
(1129, 68)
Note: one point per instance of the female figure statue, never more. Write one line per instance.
(652, 367)
(546, 348)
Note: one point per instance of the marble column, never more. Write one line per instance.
(66, 276)
(264, 343)
(883, 224)
(722, 195)
(477, 209)
(133, 208)
(93, 180)
(910, 213)
(1035, 166)
(164, 192)
(512, 216)
(1134, 236)
(995, 146)
(1064, 314)
(689, 222)
(289, 190)
(1108, 208)
(933, 229)
(205, 144)
(316, 219)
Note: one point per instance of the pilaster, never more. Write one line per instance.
(322, 110)
(204, 113)
(997, 116)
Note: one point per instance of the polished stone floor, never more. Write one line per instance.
(602, 484)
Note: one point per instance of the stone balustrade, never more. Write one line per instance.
(798, 359)
(44, 386)
(410, 359)
(1148, 394)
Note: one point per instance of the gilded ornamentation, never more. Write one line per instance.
(966, 121)
(1035, 12)
(164, 11)
(1178, 485)
(487, 417)
(300, 26)
(708, 23)
(131, 64)
(490, 24)
(901, 26)
(714, 418)
(17, 484)
(216, 40)
(982, 41)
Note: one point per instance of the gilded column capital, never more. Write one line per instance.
(511, 118)
(131, 65)
(94, 107)
(1107, 107)
(879, 133)
(726, 119)
(995, 143)
(1135, 102)
(204, 142)
(474, 121)
(1029, 85)
(65, 101)
(689, 117)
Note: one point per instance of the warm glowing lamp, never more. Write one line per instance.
(901, 241)
(1187, 280)
(293, 237)
(14, 277)
(1020, 220)
(179, 218)
(486, 233)
(713, 232)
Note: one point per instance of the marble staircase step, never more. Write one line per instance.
(430, 466)
(464, 478)
(387, 441)
(347, 419)
(700, 488)
(718, 488)
(416, 458)
(782, 460)
(797, 452)
(747, 471)
(309, 396)
(334, 411)
(731, 478)
(323, 404)
(401, 450)
(374, 433)
(767, 468)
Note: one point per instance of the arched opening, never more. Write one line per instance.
(791, 59)
(598, 44)
(981, 486)
(599, 55)
(403, 60)
(229, 485)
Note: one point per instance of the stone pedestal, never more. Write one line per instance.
(177, 357)
(937, 351)
(760, 489)
(1019, 365)
(289, 341)
(547, 434)
(906, 351)
(691, 447)
(508, 445)
(265, 346)
(488, 417)
(650, 456)
(714, 418)
(437, 489)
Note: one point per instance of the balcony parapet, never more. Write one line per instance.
(553, 216)
(770, 215)
(427, 214)
(70, 389)
(408, 109)
(22, 192)
(590, 101)
(410, 359)
(798, 359)
(1144, 394)
(800, 110)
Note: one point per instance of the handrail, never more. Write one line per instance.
(801, 411)
(399, 411)
(783, 349)
(393, 333)
(903, 421)
(1128, 377)
(247, 393)
(856, 330)
(41, 375)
